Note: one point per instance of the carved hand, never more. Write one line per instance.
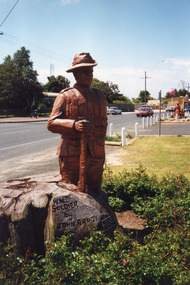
(82, 125)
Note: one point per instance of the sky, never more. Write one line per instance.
(126, 37)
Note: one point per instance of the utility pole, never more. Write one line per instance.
(145, 78)
(160, 98)
(188, 87)
(51, 69)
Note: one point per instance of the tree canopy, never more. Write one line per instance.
(178, 93)
(110, 90)
(18, 81)
(56, 84)
(142, 98)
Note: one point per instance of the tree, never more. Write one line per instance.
(143, 97)
(178, 93)
(109, 89)
(18, 81)
(137, 100)
(56, 84)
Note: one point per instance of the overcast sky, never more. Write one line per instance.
(125, 37)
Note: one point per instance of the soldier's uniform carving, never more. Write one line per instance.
(79, 114)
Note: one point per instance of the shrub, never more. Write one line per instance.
(162, 259)
(116, 138)
(41, 107)
(129, 185)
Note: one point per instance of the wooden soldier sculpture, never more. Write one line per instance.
(79, 115)
(177, 110)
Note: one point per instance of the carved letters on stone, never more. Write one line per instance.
(71, 215)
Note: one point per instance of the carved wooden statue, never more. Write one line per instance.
(79, 115)
(177, 110)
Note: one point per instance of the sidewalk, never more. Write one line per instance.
(23, 119)
(167, 128)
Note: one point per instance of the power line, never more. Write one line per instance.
(9, 13)
(34, 48)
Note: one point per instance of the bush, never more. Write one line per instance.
(128, 186)
(41, 107)
(116, 138)
(163, 259)
(164, 202)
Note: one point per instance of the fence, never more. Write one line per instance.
(123, 107)
(21, 112)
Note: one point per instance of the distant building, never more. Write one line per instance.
(166, 102)
(49, 98)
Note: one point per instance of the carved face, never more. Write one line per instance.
(84, 76)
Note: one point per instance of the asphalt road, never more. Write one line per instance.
(29, 148)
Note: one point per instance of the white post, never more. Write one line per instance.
(143, 122)
(163, 116)
(136, 130)
(157, 118)
(154, 119)
(151, 123)
(147, 122)
(176, 117)
(111, 129)
(123, 136)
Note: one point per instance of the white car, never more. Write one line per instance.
(186, 111)
(170, 109)
(115, 111)
(110, 111)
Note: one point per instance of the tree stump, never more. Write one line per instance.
(37, 209)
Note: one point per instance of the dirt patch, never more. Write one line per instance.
(114, 154)
(129, 220)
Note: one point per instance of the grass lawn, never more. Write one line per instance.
(158, 155)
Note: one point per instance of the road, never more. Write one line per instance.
(29, 148)
(126, 120)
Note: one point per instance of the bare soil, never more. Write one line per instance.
(129, 220)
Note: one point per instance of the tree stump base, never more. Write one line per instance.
(37, 209)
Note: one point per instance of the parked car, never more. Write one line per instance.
(113, 111)
(117, 110)
(110, 111)
(144, 112)
(186, 111)
(170, 109)
(145, 106)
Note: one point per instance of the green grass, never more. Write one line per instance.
(116, 138)
(5, 116)
(158, 155)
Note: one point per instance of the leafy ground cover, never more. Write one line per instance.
(117, 137)
(163, 258)
(158, 155)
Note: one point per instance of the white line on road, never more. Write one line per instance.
(9, 147)
(16, 132)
